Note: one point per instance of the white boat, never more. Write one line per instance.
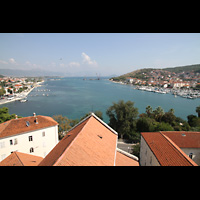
(23, 100)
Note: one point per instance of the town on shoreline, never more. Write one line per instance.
(17, 89)
(184, 83)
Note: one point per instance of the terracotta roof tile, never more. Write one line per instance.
(125, 160)
(184, 139)
(90, 143)
(21, 159)
(18, 126)
(166, 151)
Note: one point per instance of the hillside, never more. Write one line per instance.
(145, 73)
(186, 68)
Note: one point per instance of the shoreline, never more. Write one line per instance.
(20, 96)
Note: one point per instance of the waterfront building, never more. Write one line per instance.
(170, 148)
(35, 135)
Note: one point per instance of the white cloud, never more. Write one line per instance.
(87, 59)
(3, 62)
(28, 63)
(12, 61)
(74, 64)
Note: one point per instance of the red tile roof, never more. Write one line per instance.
(21, 159)
(166, 151)
(90, 143)
(125, 159)
(18, 126)
(184, 139)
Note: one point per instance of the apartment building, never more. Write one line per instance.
(35, 135)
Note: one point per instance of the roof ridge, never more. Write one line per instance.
(18, 158)
(102, 122)
(73, 140)
(176, 147)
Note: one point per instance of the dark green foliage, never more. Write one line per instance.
(123, 117)
(4, 115)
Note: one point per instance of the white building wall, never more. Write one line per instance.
(195, 152)
(41, 145)
(147, 158)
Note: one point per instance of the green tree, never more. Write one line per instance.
(2, 92)
(149, 111)
(158, 113)
(145, 124)
(4, 115)
(64, 124)
(162, 126)
(123, 118)
(198, 110)
(193, 120)
(169, 117)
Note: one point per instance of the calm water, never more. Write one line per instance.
(73, 97)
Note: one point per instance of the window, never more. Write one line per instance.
(30, 138)
(31, 149)
(44, 144)
(2, 145)
(11, 142)
(191, 155)
(43, 133)
(15, 141)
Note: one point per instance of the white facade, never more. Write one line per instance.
(147, 158)
(193, 153)
(38, 142)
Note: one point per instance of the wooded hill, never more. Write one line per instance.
(140, 72)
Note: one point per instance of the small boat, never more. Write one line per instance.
(23, 100)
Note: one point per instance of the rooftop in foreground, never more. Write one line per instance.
(164, 146)
(90, 143)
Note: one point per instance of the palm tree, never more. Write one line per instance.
(158, 113)
(149, 111)
(198, 110)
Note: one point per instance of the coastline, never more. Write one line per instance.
(21, 95)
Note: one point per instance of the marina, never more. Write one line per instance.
(185, 93)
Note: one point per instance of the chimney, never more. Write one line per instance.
(34, 115)
(16, 117)
(36, 120)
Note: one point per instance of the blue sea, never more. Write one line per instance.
(74, 97)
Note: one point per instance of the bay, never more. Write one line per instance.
(74, 97)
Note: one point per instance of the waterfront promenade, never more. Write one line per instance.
(18, 97)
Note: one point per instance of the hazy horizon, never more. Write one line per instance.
(105, 54)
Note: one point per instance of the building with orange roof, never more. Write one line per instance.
(36, 135)
(166, 148)
(21, 159)
(90, 143)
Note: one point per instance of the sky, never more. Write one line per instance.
(88, 54)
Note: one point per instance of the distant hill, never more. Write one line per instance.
(139, 73)
(186, 68)
(19, 72)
